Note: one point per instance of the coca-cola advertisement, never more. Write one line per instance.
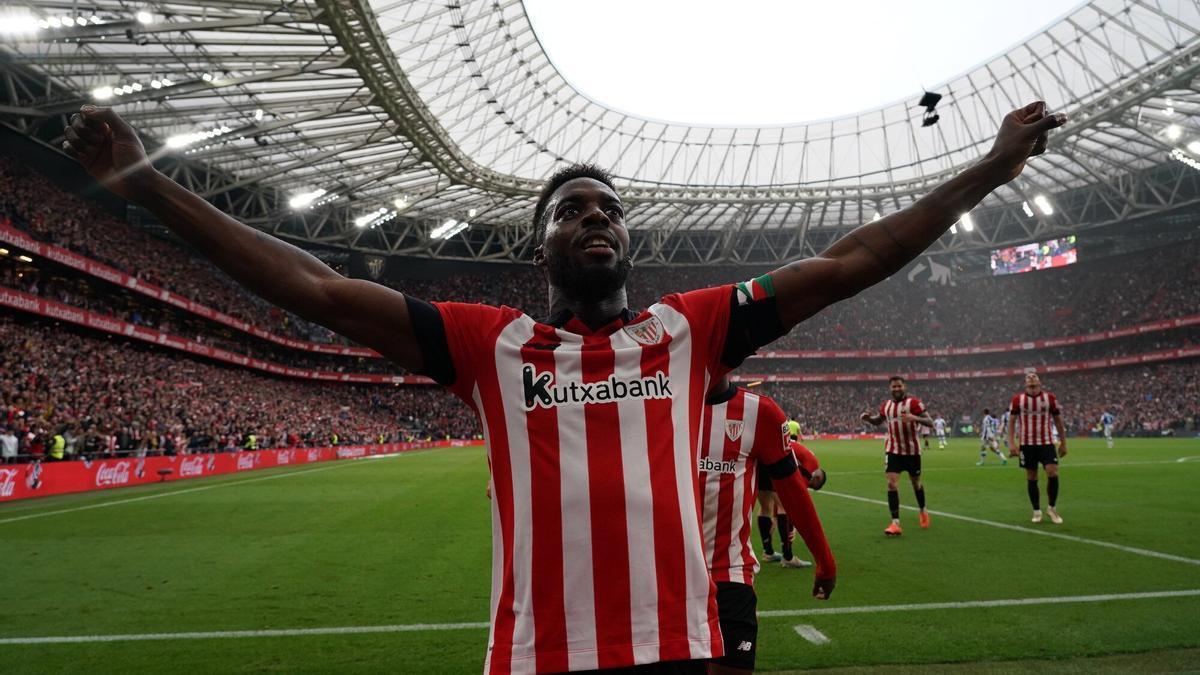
(21, 481)
(8, 482)
(112, 474)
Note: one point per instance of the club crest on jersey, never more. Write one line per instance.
(733, 429)
(648, 332)
(542, 391)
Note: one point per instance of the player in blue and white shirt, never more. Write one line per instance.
(939, 428)
(1003, 435)
(989, 438)
(1106, 421)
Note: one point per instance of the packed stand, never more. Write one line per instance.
(31, 202)
(108, 396)
(1162, 399)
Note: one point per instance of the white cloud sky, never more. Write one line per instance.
(774, 61)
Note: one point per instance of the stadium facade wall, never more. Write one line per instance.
(42, 479)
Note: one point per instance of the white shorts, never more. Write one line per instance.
(1108, 431)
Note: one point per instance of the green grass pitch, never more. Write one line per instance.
(405, 540)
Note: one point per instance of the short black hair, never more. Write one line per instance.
(987, 412)
(894, 378)
(557, 180)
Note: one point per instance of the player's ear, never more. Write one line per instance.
(539, 256)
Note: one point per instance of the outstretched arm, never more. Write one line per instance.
(873, 418)
(877, 250)
(793, 494)
(368, 313)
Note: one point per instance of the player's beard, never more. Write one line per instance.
(587, 283)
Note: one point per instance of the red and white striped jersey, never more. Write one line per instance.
(741, 436)
(903, 438)
(1035, 415)
(592, 437)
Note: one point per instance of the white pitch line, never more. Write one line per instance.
(170, 493)
(977, 604)
(228, 634)
(1029, 530)
(480, 625)
(874, 472)
(811, 634)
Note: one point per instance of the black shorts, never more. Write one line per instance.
(902, 463)
(737, 609)
(763, 480)
(1032, 454)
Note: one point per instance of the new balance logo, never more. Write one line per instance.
(745, 646)
(540, 389)
(716, 466)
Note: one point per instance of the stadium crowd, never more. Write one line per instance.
(1146, 400)
(62, 284)
(31, 202)
(106, 395)
(1076, 299)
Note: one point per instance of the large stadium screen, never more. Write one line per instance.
(1038, 256)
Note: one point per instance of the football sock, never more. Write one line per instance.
(785, 535)
(764, 531)
(1034, 497)
(1052, 490)
(894, 503)
(921, 497)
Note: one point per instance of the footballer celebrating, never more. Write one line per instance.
(1036, 412)
(592, 413)
(745, 434)
(903, 415)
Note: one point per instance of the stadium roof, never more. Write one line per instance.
(421, 113)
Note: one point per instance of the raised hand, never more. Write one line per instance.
(1022, 135)
(108, 148)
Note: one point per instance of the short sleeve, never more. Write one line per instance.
(753, 320)
(883, 409)
(1053, 404)
(1015, 408)
(451, 351)
(732, 321)
(916, 407)
(707, 314)
(770, 432)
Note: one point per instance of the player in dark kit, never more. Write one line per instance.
(903, 414)
(1036, 410)
(591, 414)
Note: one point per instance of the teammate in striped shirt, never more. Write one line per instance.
(903, 415)
(1036, 412)
(989, 432)
(745, 434)
(591, 415)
